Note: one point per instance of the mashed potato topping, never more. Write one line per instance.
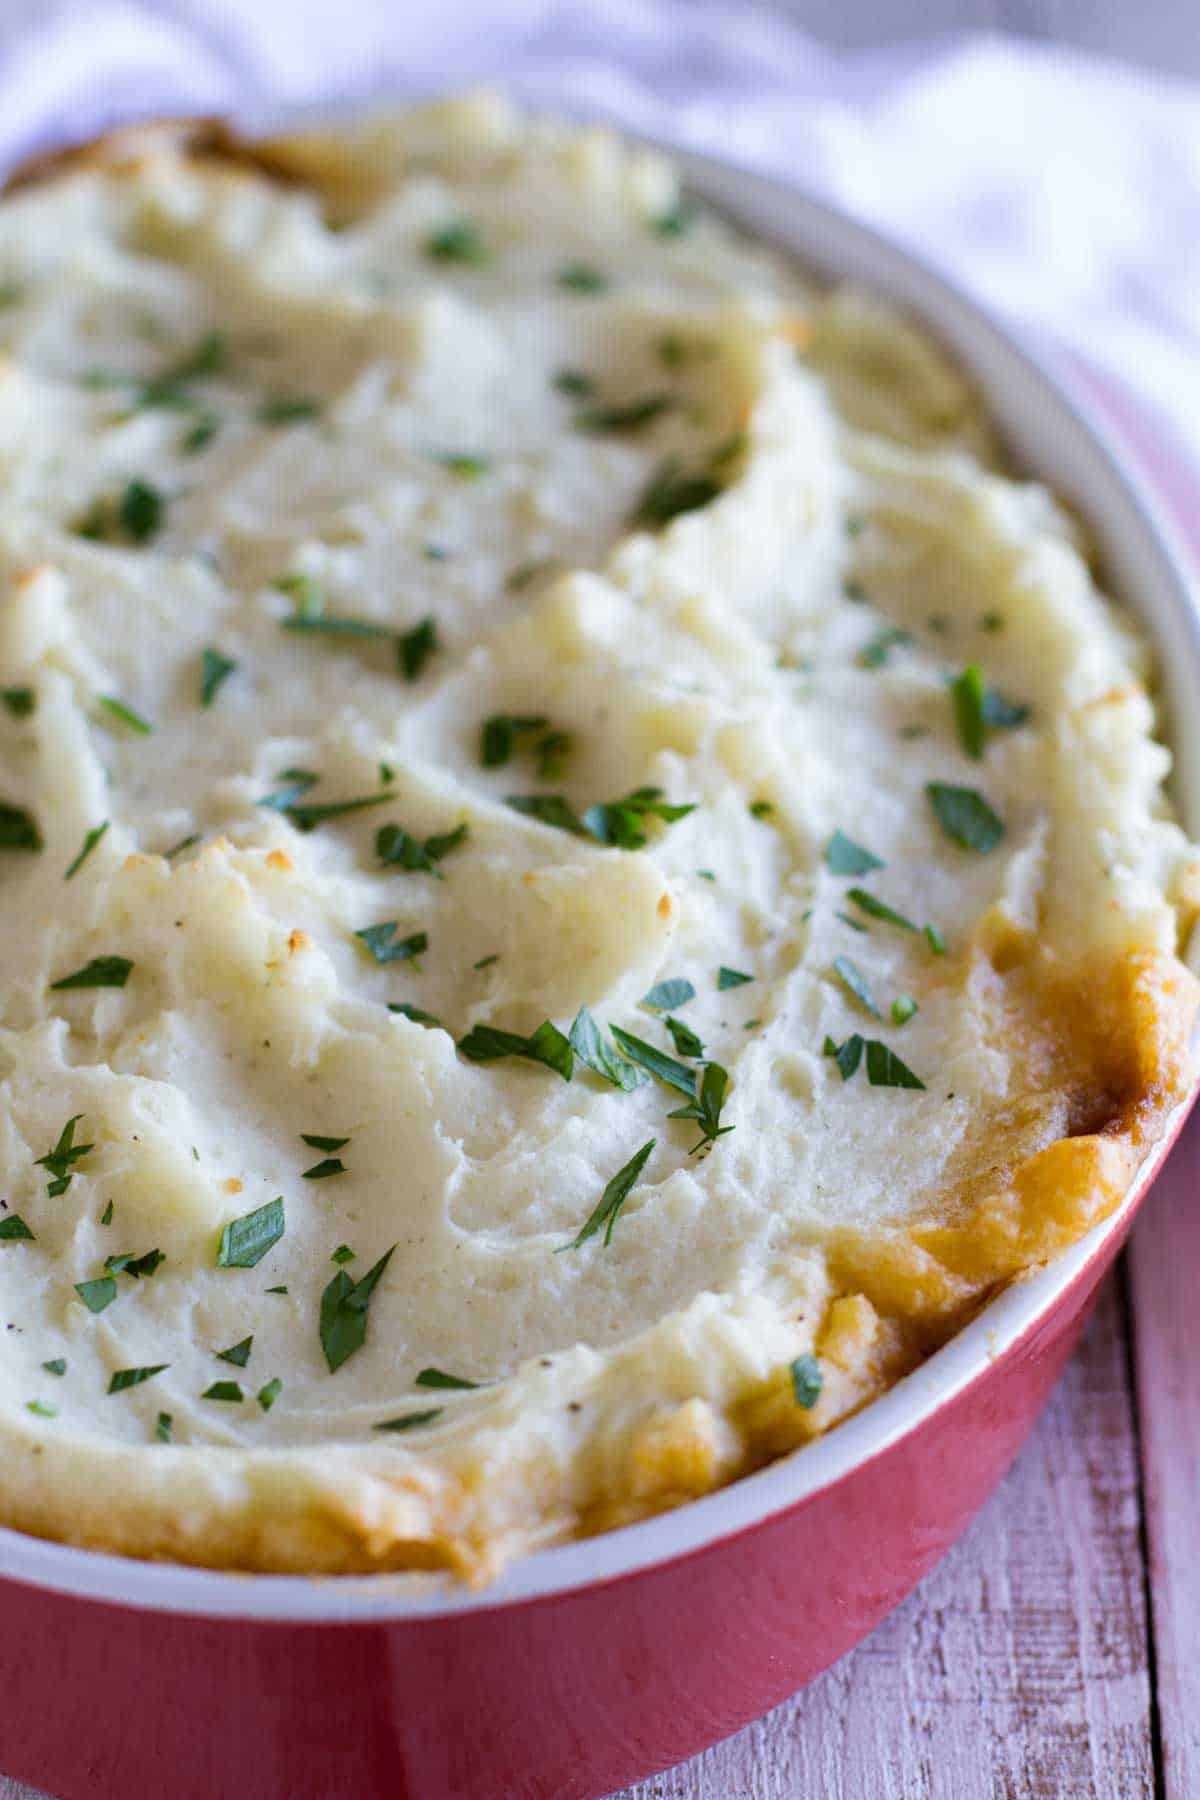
(582, 873)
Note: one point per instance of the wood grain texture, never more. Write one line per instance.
(1018, 1668)
(1165, 1287)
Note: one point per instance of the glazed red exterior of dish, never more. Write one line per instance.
(560, 1698)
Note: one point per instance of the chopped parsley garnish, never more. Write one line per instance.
(169, 387)
(415, 647)
(590, 1046)
(98, 1294)
(125, 715)
(229, 1391)
(965, 816)
(847, 1055)
(966, 694)
(20, 701)
(677, 221)
(630, 417)
(884, 1067)
(329, 1165)
(499, 735)
(90, 841)
(878, 909)
(321, 624)
(807, 1380)
(548, 809)
(664, 1068)
(620, 822)
(305, 590)
(935, 940)
(855, 983)
(550, 753)
(59, 1162)
(18, 829)
(179, 848)
(245, 1241)
(41, 1409)
(666, 995)
(400, 850)
(903, 1008)
(844, 857)
(56, 1366)
(237, 1354)
(101, 972)
(705, 1108)
(876, 654)
(573, 382)
(140, 511)
(616, 822)
(485, 962)
(979, 709)
(467, 464)
(992, 621)
(306, 817)
(547, 1045)
(323, 1143)
(106, 1217)
(417, 1014)
(162, 1428)
(613, 1199)
(126, 1263)
(683, 1037)
(410, 1421)
(214, 669)
(296, 782)
(582, 278)
(13, 1229)
(200, 435)
(386, 947)
(288, 409)
(761, 809)
(731, 978)
(459, 241)
(269, 1393)
(437, 1378)
(127, 1378)
(343, 1323)
(672, 491)
(343, 1254)
(1000, 713)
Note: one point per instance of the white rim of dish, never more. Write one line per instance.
(1053, 428)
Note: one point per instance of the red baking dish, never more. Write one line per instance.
(588, 1666)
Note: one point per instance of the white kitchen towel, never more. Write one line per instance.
(1064, 190)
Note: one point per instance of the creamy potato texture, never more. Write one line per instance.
(491, 660)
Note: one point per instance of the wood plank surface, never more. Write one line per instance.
(1165, 1286)
(1018, 1668)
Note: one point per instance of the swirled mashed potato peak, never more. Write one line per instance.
(582, 872)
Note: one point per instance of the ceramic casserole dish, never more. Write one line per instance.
(587, 1666)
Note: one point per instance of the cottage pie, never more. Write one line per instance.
(583, 872)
